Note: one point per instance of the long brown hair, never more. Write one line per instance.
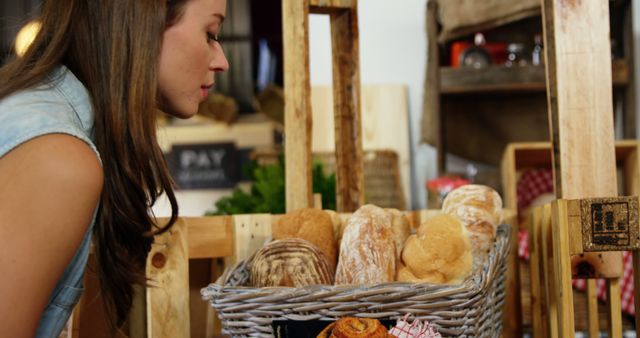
(113, 47)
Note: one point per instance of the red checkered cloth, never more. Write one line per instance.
(536, 182)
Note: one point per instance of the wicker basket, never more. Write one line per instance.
(471, 309)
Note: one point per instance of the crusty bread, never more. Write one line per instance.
(400, 228)
(367, 249)
(438, 253)
(478, 207)
(290, 262)
(313, 225)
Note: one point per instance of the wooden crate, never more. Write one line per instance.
(519, 157)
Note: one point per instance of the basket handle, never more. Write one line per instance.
(346, 93)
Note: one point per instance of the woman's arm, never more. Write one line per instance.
(49, 188)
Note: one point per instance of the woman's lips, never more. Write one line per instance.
(204, 90)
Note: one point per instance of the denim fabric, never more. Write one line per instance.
(60, 104)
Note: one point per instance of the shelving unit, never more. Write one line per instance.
(455, 96)
(475, 113)
(499, 79)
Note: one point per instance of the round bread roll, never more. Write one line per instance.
(351, 327)
(479, 208)
(401, 229)
(312, 225)
(438, 253)
(367, 249)
(290, 262)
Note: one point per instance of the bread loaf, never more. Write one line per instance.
(351, 327)
(337, 225)
(367, 249)
(312, 225)
(478, 207)
(400, 228)
(289, 262)
(438, 253)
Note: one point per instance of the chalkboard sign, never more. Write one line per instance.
(205, 166)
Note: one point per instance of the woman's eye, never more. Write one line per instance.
(212, 37)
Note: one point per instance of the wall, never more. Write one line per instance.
(392, 51)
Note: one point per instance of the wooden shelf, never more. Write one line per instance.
(501, 79)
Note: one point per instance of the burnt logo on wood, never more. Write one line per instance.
(610, 224)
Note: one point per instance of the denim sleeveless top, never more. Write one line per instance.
(60, 104)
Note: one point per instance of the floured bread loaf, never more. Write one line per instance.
(367, 249)
(312, 225)
(290, 262)
(400, 228)
(478, 207)
(438, 253)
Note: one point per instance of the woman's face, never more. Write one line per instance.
(189, 57)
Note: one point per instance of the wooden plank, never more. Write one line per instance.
(137, 315)
(580, 99)
(168, 294)
(331, 6)
(516, 79)
(250, 234)
(629, 111)
(509, 177)
(432, 124)
(243, 134)
(550, 272)
(512, 308)
(562, 269)
(537, 321)
(213, 323)
(579, 94)
(385, 124)
(636, 288)
(297, 93)
(614, 308)
(210, 237)
(631, 168)
(347, 116)
(592, 309)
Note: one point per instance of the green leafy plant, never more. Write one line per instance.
(267, 194)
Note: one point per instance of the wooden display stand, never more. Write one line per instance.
(519, 157)
(164, 309)
(580, 234)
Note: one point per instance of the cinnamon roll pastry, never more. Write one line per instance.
(351, 327)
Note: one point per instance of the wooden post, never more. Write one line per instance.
(538, 307)
(550, 272)
(346, 97)
(297, 108)
(581, 120)
(168, 295)
(298, 121)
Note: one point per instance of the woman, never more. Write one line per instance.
(78, 148)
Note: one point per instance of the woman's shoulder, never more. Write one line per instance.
(59, 105)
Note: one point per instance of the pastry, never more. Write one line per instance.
(351, 327)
